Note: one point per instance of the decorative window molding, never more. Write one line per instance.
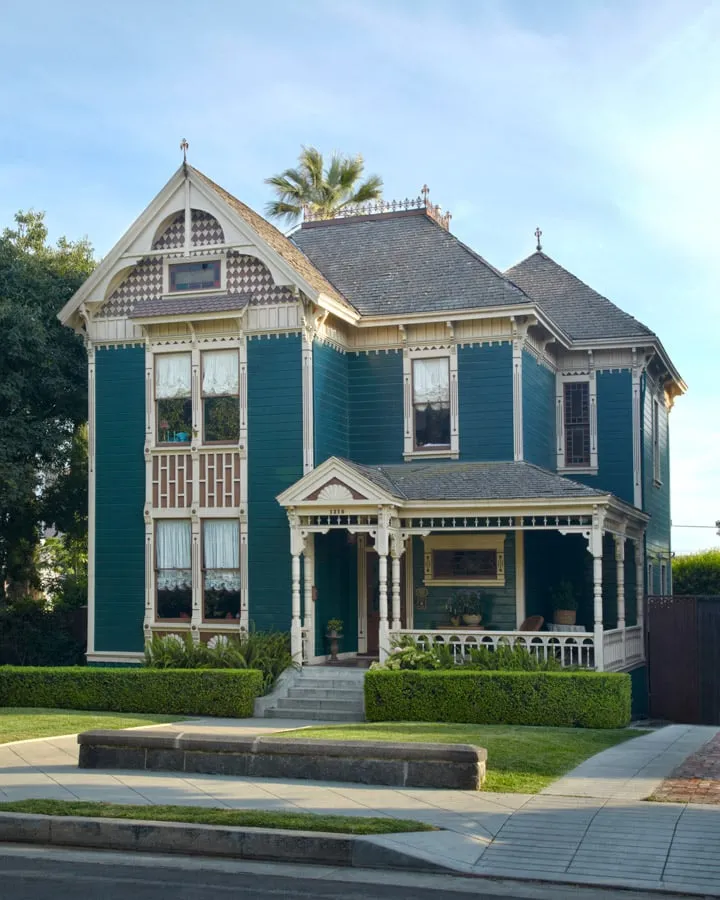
(173, 265)
(220, 390)
(563, 466)
(436, 566)
(410, 448)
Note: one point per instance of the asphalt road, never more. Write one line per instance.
(36, 873)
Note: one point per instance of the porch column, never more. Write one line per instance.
(640, 583)
(382, 547)
(398, 548)
(595, 546)
(620, 569)
(308, 601)
(297, 545)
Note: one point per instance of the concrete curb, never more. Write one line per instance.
(268, 844)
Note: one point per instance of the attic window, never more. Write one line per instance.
(194, 276)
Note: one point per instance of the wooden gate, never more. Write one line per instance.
(683, 654)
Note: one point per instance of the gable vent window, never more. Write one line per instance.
(576, 411)
(431, 403)
(194, 276)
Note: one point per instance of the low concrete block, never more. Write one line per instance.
(449, 766)
(24, 828)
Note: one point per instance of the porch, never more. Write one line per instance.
(366, 548)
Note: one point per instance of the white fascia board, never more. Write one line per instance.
(335, 468)
(635, 343)
(559, 506)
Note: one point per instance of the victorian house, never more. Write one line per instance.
(365, 421)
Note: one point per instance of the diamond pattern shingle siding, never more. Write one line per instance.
(403, 263)
(579, 310)
(473, 481)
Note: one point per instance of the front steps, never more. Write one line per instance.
(321, 693)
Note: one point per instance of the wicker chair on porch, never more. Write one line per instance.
(532, 623)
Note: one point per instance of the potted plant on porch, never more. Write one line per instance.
(334, 634)
(472, 609)
(564, 603)
(454, 609)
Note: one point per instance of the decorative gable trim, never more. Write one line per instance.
(335, 472)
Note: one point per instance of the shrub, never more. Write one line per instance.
(34, 635)
(697, 573)
(266, 651)
(585, 699)
(170, 691)
(411, 655)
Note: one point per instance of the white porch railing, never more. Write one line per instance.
(634, 644)
(613, 649)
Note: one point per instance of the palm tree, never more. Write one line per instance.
(324, 192)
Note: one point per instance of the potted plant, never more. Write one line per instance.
(472, 609)
(334, 634)
(454, 609)
(564, 603)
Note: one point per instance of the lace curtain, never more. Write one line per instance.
(172, 376)
(220, 373)
(221, 544)
(172, 544)
(431, 383)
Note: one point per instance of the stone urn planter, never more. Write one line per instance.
(334, 635)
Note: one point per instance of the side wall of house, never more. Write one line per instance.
(330, 398)
(485, 401)
(538, 402)
(376, 407)
(119, 498)
(275, 455)
(656, 496)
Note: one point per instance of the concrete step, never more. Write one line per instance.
(324, 684)
(315, 715)
(332, 672)
(295, 703)
(325, 693)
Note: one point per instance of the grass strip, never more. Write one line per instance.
(199, 815)
(19, 723)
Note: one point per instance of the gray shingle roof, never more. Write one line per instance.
(473, 481)
(176, 306)
(403, 263)
(579, 310)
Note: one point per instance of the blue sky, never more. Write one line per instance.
(596, 120)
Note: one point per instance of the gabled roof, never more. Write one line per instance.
(574, 306)
(403, 262)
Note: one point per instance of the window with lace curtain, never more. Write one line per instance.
(221, 569)
(220, 396)
(431, 403)
(173, 569)
(173, 398)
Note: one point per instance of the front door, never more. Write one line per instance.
(373, 598)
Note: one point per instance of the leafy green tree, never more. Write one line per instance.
(43, 396)
(324, 191)
(697, 573)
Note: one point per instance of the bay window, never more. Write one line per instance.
(431, 403)
(173, 398)
(220, 397)
(173, 569)
(221, 569)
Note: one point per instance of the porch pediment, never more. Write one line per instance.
(334, 483)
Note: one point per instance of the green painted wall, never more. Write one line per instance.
(330, 393)
(550, 558)
(376, 407)
(502, 616)
(614, 423)
(656, 498)
(274, 463)
(538, 401)
(485, 399)
(336, 581)
(119, 498)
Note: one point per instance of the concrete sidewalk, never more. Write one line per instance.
(589, 827)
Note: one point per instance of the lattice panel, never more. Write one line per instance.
(143, 283)
(205, 229)
(172, 481)
(174, 234)
(248, 275)
(220, 479)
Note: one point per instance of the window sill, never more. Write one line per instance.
(577, 470)
(439, 453)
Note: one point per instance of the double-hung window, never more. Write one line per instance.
(220, 397)
(577, 423)
(221, 569)
(173, 398)
(431, 403)
(173, 569)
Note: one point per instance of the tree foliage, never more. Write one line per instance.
(322, 190)
(697, 573)
(43, 397)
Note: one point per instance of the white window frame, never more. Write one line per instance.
(655, 439)
(560, 382)
(203, 398)
(434, 542)
(183, 260)
(409, 449)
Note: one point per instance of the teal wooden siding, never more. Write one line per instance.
(615, 436)
(656, 498)
(330, 395)
(336, 581)
(274, 463)
(485, 398)
(538, 401)
(503, 610)
(119, 498)
(376, 407)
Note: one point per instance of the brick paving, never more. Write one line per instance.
(696, 780)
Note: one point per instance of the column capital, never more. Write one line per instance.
(397, 544)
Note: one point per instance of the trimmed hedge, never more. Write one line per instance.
(199, 692)
(585, 699)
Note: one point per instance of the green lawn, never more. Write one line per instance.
(248, 818)
(521, 759)
(19, 724)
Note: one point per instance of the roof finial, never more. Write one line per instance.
(538, 235)
(184, 146)
(425, 191)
